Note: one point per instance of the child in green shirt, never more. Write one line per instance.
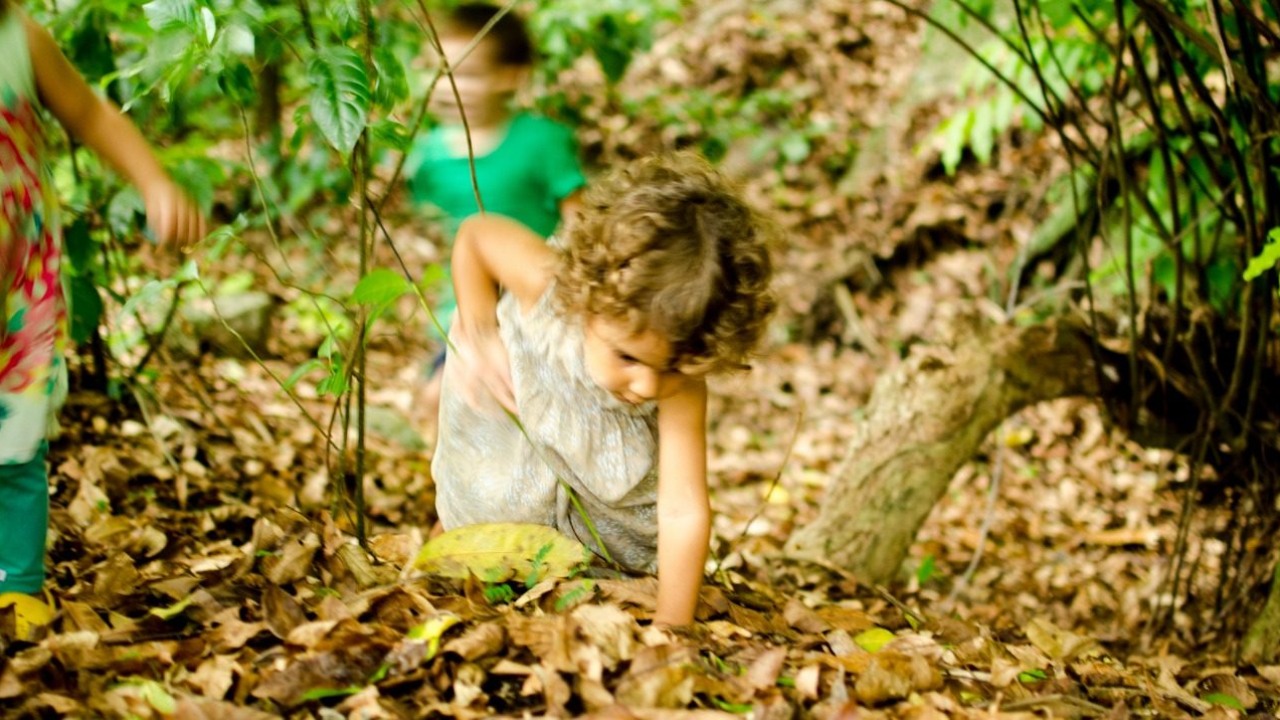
(526, 166)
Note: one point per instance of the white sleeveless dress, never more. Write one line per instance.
(577, 437)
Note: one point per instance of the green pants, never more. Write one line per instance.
(24, 522)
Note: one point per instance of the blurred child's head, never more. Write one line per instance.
(670, 271)
(492, 72)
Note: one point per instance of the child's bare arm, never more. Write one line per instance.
(684, 511)
(492, 252)
(489, 252)
(102, 127)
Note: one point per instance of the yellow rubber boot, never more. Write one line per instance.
(29, 613)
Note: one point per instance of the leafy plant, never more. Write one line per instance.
(612, 31)
(1266, 259)
(1167, 117)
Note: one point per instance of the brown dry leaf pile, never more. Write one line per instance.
(202, 571)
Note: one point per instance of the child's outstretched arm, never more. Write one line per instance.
(492, 252)
(684, 511)
(100, 126)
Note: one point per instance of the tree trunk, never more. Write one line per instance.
(1262, 642)
(924, 420)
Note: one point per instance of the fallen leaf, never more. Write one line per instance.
(1219, 686)
(60, 704)
(1147, 537)
(214, 677)
(659, 677)
(233, 634)
(874, 639)
(803, 618)
(844, 618)
(765, 669)
(807, 681)
(607, 628)
(642, 592)
(310, 634)
(891, 676)
(11, 685)
(432, 630)
(194, 709)
(281, 611)
(481, 641)
(1059, 644)
(547, 637)
(396, 548)
(339, 669)
(497, 552)
(294, 562)
(365, 705)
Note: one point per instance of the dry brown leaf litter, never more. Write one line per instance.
(201, 574)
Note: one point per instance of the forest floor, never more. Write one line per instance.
(201, 573)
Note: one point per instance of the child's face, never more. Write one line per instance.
(485, 84)
(635, 367)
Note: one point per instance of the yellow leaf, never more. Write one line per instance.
(497, 552)
(432, 630)
(874, 639)
(172, 610)
(1018, 437)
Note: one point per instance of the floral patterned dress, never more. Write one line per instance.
(33, 310)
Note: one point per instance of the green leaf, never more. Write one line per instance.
(155, 695)
(732, 707)
(391, 133)
(497, 552)
(301, 371)
(86, 307)
(210, 25)
(1222, 276)
(1059, 14)
(236, 81)
(90, 50)
(381, 286)
(165, 15)
(325, 693)
(339, 96)
(80, 247)
(873, 639)
(123, 210)
(954, 131)
(393, 83)
(795, 148)
(1266, 259)
(1032, 676)
(240, 41)
(173, 610)
(432, 630)
(1224, 700)
(982, 135)
(927, 568)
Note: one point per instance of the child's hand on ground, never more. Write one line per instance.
(172, 216)
(482, 366)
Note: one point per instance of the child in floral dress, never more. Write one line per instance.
(34, 74)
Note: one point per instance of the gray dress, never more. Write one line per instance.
(576, 436)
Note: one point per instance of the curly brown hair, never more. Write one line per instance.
(668, 245)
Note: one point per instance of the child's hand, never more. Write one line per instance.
(482, 365)
(172, 216)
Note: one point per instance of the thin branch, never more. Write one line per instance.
(154, 340)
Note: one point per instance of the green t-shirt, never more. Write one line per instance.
(525, 177)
